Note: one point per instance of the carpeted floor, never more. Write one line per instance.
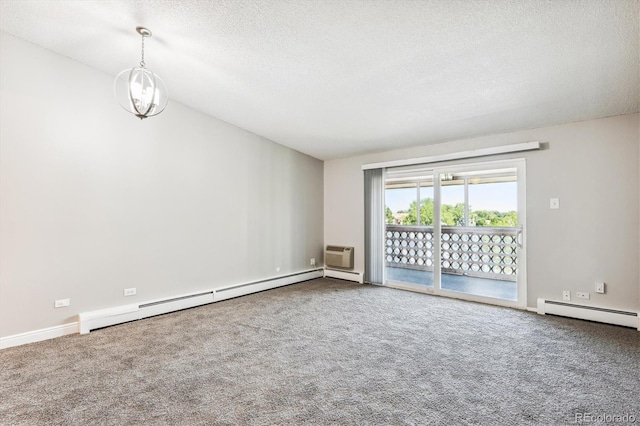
(328, 352)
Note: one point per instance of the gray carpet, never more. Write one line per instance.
(327, 352)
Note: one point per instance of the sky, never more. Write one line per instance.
(501, 197)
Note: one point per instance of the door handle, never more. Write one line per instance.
(519, 238)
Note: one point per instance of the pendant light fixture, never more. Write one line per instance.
(140, 91)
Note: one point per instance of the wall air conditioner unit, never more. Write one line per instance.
(338, 257)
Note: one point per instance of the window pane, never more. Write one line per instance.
(400, 200)
(452, 200)
(426, 203)
(493, 203)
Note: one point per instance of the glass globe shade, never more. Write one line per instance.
(141, 92)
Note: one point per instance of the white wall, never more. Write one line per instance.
(591, 166)
(94, 200)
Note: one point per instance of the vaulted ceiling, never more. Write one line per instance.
(334, 78)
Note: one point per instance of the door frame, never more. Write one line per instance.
(520, 165)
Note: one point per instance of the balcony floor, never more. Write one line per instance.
(505, 290)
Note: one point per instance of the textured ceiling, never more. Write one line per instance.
(338, 78)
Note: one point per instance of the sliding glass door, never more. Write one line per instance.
(457, 231)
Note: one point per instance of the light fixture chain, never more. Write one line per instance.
(142, 61)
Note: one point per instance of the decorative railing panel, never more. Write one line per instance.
(474, 251)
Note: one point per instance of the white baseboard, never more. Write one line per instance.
(88, 321)
(38, 335)
(589, 312)
(121, 314)
(344, 275)
(256, 286)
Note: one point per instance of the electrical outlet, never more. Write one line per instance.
(312, 261)
(130, 291)
(566, 296)
(582, 295)
(61, 303)
(600, 288)
(554, 203)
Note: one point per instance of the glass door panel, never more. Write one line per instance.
(452, 199)
(479, 249)
(409, 255)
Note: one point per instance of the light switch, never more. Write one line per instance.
(554, 203)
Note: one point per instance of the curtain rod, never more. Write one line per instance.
(481, 152)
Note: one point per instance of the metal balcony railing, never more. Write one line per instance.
(475, 251)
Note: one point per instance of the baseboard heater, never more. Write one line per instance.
(590, 313)
(107, 317)
(344, 275)
(261, 285)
